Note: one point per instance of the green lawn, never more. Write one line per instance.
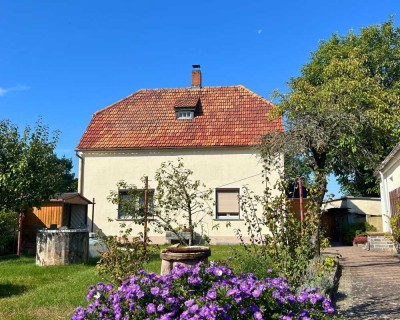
(28, 291)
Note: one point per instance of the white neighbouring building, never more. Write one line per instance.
(389, 172)
(213, 129)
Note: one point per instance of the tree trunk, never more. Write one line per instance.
(19, 245)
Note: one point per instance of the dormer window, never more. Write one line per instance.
(188, 105)
(186, 114)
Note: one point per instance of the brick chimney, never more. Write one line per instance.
(196, 77)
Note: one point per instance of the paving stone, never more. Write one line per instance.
(369, 287)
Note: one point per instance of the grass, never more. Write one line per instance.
(28, 291)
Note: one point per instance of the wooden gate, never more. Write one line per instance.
(394, 197)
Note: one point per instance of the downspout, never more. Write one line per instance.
(384, 199)
(81, 172)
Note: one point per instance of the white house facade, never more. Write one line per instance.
(214, 130)
(389, 173)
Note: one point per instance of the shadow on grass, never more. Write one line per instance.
(93, 261)
(9, 257)
(8, 290)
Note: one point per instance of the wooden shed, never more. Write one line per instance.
(64, 210)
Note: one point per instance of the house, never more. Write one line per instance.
(69, 210)
(350, 210)
(389, 173)
(213, 129)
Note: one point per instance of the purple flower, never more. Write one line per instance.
(155, 290)
(189, 303)
(256, 293)
(194, 308)
(211, 295)
(160, 307)
(257, 315)
(100, 286)
(170, 299)
(91, 292)
(253, 308)
(242, 311)
(151, 308)
(108, 287)
(218, 293)
(231, 292)
(195, 280)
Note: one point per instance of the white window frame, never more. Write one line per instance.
(186, 114)
(139, 203)
(227, 215)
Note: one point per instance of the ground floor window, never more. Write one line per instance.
(131, 204)
(227, 203)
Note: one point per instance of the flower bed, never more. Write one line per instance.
(360, 240)
(202, 292)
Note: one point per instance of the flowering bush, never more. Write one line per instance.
(202, 292)
(360, 239)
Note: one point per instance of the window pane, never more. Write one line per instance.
(132, 204)
(228, 202)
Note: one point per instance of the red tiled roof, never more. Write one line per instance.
(225, 116)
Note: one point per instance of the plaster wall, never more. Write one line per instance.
(216, 167)
(390, 180)
(366, 206)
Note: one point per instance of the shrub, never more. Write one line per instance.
(8, 223)
(319, 274)
(349, 231)
(276, 238)
(360, 239)
(123, 255)
(202, 292)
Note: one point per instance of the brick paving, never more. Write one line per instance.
(369, 286)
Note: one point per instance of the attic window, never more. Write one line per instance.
(185, 114)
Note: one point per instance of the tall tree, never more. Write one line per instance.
(68, 183)
(30, 171)
(342, 113)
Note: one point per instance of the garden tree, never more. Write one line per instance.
(30, 171)
(178, 200)
(68, 183)
(342, 113)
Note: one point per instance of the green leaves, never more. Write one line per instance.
(180, 199)
(343, 111)
(30, 171)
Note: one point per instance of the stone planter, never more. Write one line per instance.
(186, 255)
(361, 245)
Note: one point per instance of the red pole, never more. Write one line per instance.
(301, 204)
(146, 207)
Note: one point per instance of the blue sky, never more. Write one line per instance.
(63, 60)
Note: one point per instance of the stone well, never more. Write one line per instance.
(62, 247)
(182, 255)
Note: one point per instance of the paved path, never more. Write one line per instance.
(369, 287)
